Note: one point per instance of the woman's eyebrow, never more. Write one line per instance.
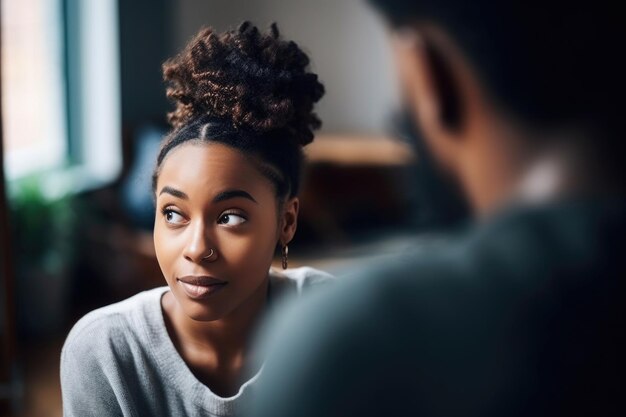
(228, 194)
(174, 192)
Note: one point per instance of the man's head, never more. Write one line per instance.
(493, 78)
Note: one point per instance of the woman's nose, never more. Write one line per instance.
(199, 246)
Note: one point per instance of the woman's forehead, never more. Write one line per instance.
(210, 168)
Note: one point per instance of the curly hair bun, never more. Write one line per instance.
(257, 81)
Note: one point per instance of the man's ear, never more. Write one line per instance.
(428, 80)
(288, 220)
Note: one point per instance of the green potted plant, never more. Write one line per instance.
(43, 230)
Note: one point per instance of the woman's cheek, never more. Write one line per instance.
(167, 250)
(248, 251)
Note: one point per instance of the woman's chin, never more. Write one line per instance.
(202, 312)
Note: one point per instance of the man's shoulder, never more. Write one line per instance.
(521, 254)
(486, 313)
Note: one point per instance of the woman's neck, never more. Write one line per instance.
(216, 351)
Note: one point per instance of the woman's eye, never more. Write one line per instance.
(172, 217)
(231, 219)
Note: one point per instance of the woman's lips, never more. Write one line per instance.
(198, 287)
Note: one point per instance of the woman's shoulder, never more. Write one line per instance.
(112, 323)
(300, 279)
(307, 275)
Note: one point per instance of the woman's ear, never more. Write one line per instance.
(288, 220)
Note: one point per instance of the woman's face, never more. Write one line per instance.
(216, 228)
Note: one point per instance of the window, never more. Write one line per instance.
(61, 91)
(33, 97)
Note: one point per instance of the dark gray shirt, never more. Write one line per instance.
(523, 315)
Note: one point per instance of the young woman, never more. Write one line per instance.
(225, 185)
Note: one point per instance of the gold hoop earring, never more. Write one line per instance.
(285, 253)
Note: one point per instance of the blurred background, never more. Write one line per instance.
(83, 111)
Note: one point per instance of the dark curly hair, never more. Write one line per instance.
(248, 90)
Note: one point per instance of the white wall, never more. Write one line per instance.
(346, 41)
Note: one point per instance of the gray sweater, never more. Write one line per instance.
(120, 361)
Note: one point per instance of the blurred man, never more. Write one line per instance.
(523, 314)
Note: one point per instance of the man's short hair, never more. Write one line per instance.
(549, 62)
